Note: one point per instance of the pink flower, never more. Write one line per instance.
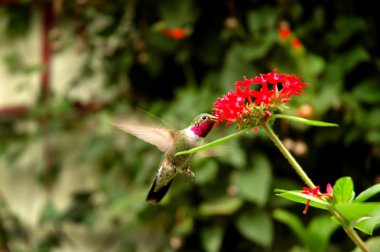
(329, 191)
(315, 193)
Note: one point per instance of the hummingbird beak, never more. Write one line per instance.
(213, 118)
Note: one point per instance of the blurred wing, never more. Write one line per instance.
(163, 139)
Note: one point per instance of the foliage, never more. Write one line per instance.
(363, 216)
(68, 180)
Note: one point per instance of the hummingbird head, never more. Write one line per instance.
(202, 124)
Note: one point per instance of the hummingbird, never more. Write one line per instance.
(171, 141)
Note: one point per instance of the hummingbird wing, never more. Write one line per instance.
(162, 138)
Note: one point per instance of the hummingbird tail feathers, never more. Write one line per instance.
(155, 195)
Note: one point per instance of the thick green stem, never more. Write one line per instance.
(212, 144)
(346, 226)
(288, 156)
(349, 230)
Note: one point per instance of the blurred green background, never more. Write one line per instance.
(71, 182)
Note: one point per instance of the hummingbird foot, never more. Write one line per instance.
(189, 174)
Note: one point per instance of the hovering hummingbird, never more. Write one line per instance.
(171, 141)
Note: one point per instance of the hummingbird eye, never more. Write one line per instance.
(204, 117)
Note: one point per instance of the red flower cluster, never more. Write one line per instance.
(273, 90)
(315, 193)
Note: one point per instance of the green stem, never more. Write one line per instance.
(346, 226)
(349, 230)
(212, 144)
(288, 156)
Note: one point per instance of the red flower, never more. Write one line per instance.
(274, 77)
(263, 96)
(255, 99)
(315, 193)
(296, 43)
(284, 32)
(175, 33)
(230, 106)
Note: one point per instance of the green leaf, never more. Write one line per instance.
(299, 197)
(345, 28)
(367, 224)
(368, 91)
(126, 204)
(354, 57)
(311, 66)
(93, 149)
(212, 238)
(311, 237)
(258, 49)
(262, 19)
(178, 13)
(184, 227)
(317, 240)
(234, 155)
(354, 211)
(368, 193)
(256, 226)
(343, 190)
(221, 206)
(373, 244)
(236, 65)
(373, 118)
(305, 121)
(254, 184)
(293, 222)
(323, 101)
(206, 171)
(49, 213)
(373, 136)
